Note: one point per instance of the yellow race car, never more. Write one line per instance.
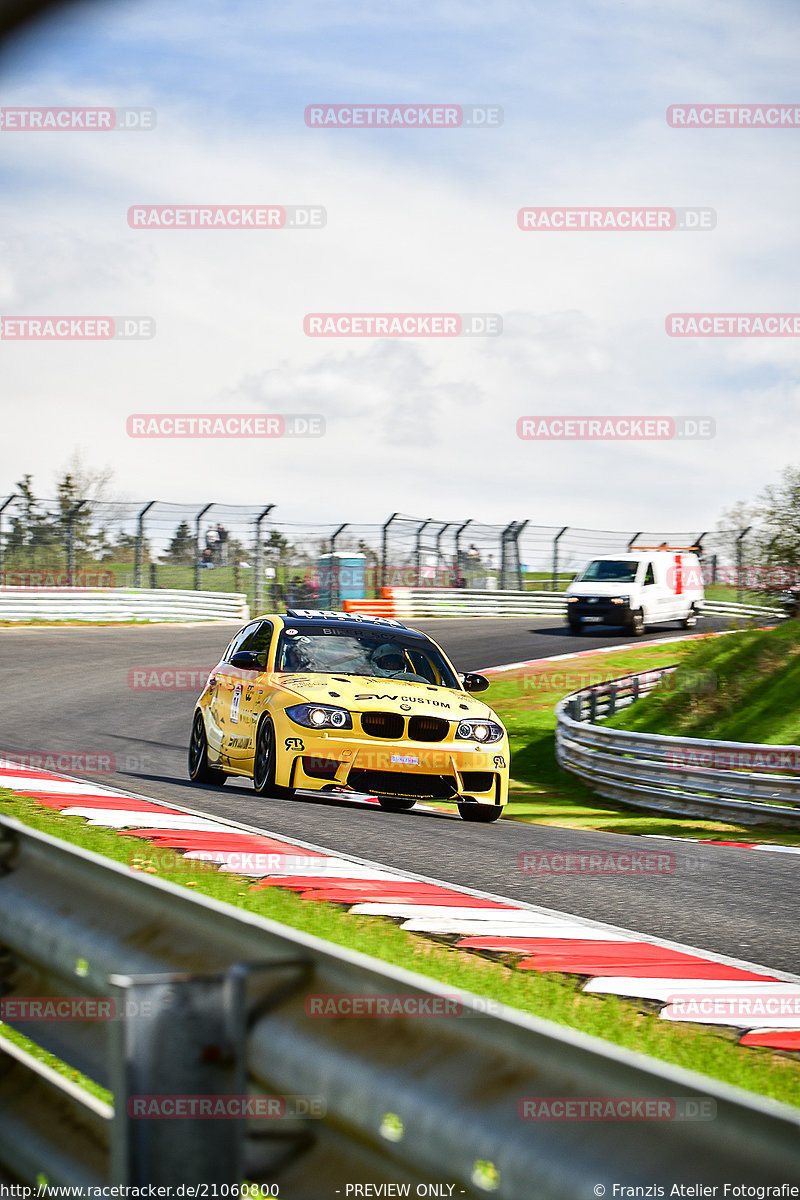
(325, 701)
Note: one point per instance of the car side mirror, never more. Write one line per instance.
(474, 683)
(249, 660)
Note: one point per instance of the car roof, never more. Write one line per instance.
(301, 618)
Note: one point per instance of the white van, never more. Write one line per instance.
(636, 588)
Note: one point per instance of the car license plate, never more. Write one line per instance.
(592, 620)
(406, 760)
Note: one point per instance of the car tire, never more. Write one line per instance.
(396, 803)
(636, 626)
(199, 770)
(483, 814)
(575, 627)
(265, 761)
(690, 621)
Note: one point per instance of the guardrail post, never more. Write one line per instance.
(739, 558)
(3, 508)
(71, 515)
(197, 521)
(612, 700)
(177, 1040)
(385, 550)
(139, 547)
(556, 540)
(258, 562)
(592, 705)
(334, 588)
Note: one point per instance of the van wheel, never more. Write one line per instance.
(637, 623)
(690, 621)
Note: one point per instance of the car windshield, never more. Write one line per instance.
(610, 570)
(374, 653)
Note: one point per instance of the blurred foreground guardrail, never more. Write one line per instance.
(211, 1002)
(120, 604)
(730, 781)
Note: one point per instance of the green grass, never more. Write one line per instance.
(757, 694)
(712, 1051)
(543, 794)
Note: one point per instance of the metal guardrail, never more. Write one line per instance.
(747, 782)
(120, 604)
(447, 602)
(214, 1003)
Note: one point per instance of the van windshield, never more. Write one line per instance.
(610, 570)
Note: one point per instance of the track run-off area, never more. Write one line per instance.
(71, 690)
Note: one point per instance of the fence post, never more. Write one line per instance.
(384, 551)
(459, 532)
(518, 565)
(556, 540)
(139, 547)
(258, 563)
(3, 508)
(333, 572)
(420, 531)
(71, 515)
(197, 521)
(739, 556)
(504, 554)
(439, 545)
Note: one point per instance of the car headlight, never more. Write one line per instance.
(573, 599)
(619, 599)
(479, 731)
(320, 716)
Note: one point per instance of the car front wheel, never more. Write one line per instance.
(265, 763)
(199, 770)
(481, 813)
(396, 803)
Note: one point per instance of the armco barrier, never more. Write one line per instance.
(745, 782)
(210, 1002)
(120, 604)
(465, 602)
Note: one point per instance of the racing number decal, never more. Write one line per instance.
(236, 700)
(499, 761)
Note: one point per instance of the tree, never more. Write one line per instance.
(181, 549)
(779, 518)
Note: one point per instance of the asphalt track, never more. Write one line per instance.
(70, 690)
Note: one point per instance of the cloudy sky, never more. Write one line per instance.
(417, 221)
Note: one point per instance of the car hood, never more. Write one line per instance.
(360, 693)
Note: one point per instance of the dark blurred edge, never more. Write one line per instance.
(15, 15)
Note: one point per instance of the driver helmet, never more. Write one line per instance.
(388, 657)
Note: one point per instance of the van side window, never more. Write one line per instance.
(649, 576)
